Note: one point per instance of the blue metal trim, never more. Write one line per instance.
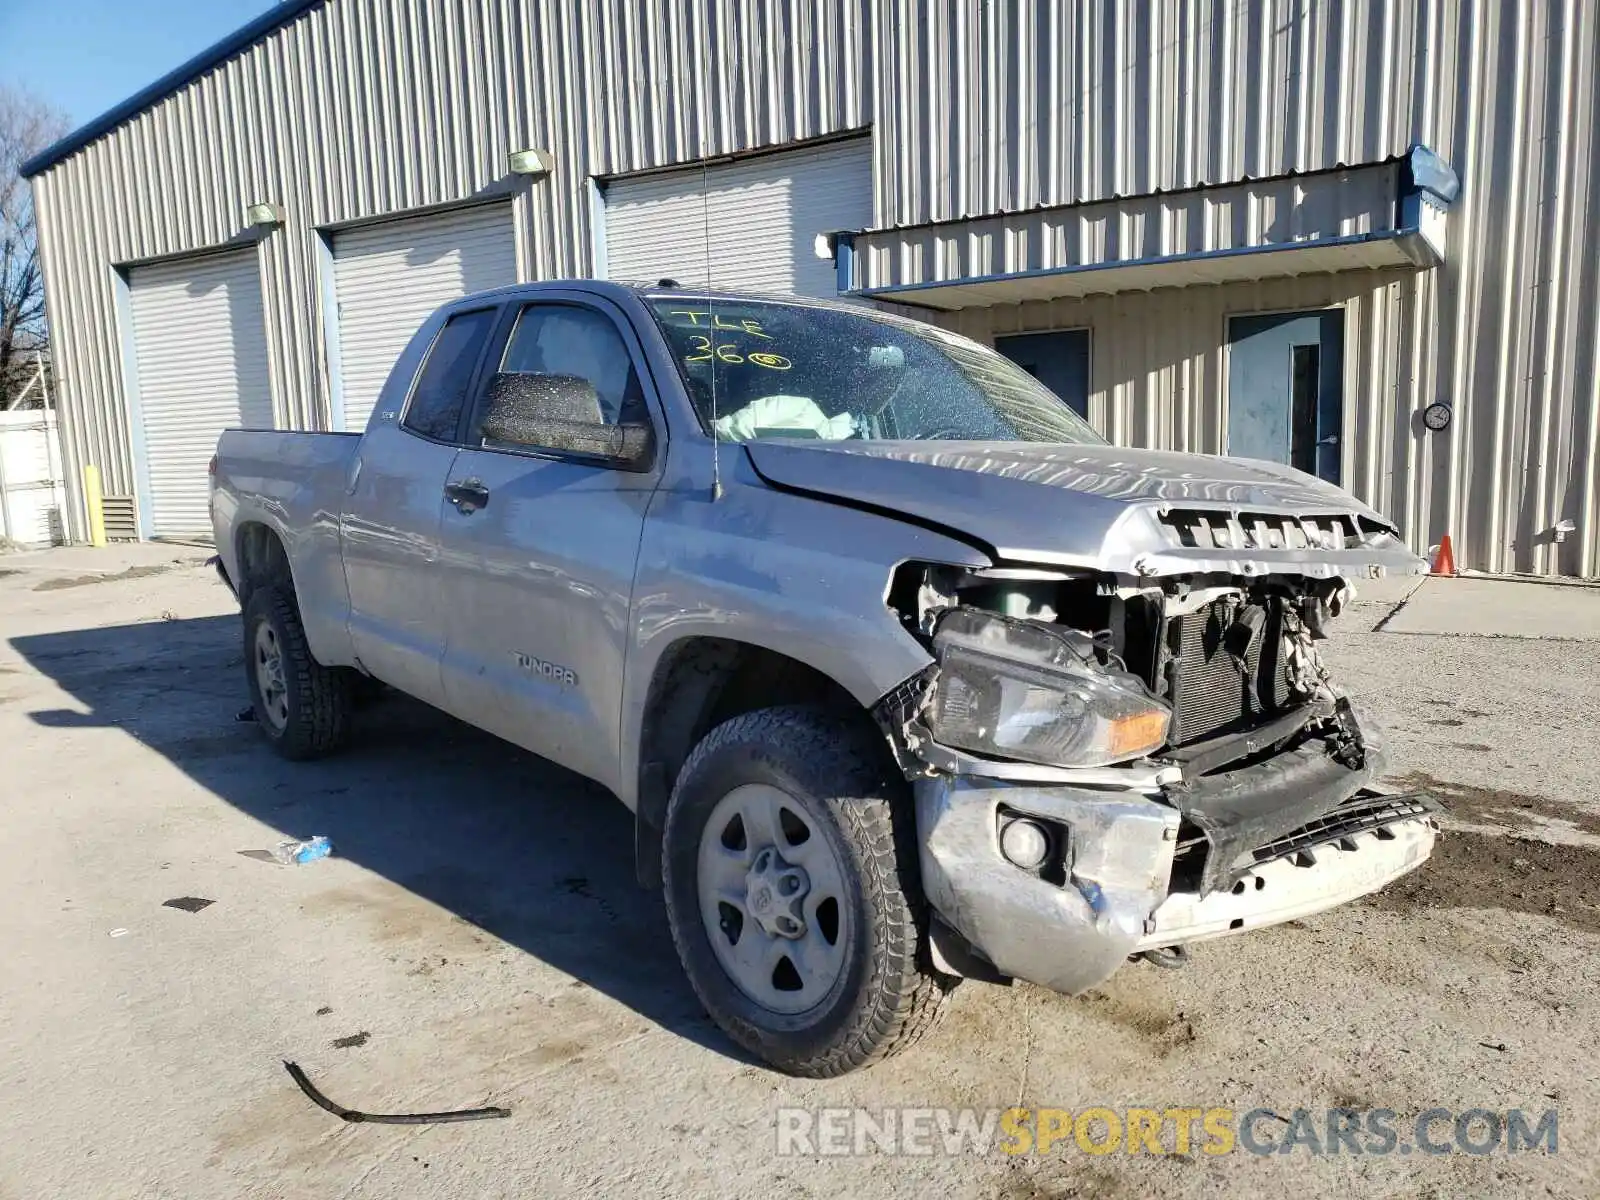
(270, 21)
(600, 268)
(844, 262)
(1406, 237)
(122, 294)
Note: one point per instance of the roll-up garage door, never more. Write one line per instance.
(389, 277)
(757, 219)
(200, 353)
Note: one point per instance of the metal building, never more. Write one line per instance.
(1284, 228)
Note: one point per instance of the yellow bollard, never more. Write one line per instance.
(94, 499)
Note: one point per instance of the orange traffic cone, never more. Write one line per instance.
(1444, 562)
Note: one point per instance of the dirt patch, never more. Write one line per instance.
(577, 885)
(1464, 711)
(399, 916)
(71, 581)
(1056, 1181)
(350, 1041)
(1479, 870)
(1494, 806)
(1165, 1029)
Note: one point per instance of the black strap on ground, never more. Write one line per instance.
(351, 1115)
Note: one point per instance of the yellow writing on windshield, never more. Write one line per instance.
(727, 352)
(715, 321)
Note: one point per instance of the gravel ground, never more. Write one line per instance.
(479, 940)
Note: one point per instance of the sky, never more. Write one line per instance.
(86, 56)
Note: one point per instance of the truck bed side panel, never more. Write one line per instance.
(294, 484)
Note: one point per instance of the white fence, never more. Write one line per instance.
(33, 492)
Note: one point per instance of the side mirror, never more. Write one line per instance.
(561, 412)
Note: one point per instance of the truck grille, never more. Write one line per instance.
(1265, 531)
(1210, 694)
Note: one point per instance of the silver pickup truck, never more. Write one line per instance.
(906, 674)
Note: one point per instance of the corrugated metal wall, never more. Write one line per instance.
(988, 107)
(363, 107)
(1158, 369)
(1006, 106)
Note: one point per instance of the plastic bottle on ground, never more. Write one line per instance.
(295, 853)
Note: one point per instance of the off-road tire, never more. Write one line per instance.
(319, 697)
(886, 996)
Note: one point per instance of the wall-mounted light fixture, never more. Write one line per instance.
(264, 215)
(529, 162)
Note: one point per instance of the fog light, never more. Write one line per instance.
(1025, 844)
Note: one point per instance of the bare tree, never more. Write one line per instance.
(27, 125)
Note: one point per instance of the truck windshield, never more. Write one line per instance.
(778, 369)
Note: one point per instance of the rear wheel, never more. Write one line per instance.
(790, 876)
(301, 706)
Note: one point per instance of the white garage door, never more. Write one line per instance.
(763, 214)
(200, 351)
(389, 277)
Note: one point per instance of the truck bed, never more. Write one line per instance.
(293, 483)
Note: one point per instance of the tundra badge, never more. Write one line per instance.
(554, 672)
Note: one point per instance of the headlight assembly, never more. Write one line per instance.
(1021, 689)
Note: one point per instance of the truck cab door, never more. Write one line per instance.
(390, 522)
(540, 544)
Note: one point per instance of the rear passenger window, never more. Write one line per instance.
(435, 407)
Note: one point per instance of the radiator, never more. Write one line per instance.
(1210, 694)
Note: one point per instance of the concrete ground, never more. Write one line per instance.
(479, 939)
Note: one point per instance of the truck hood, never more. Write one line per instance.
(1103, 508)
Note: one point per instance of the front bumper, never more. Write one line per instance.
(1066, 936)
(1115, 896)
(1284, 889)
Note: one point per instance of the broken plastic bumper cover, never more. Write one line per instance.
(1067, 936)
(1239, 811)
(1112, 898)
(1306, 882)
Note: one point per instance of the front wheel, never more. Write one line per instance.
(791, 888)
(301, 706)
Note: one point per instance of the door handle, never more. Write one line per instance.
(1331, 440)
(468, 496)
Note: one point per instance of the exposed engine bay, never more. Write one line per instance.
(1208, 691)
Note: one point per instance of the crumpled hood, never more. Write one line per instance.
(1145, 512)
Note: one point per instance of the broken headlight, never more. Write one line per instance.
(1026, 690)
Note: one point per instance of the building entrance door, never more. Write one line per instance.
(1284, 397)
(1060, 361)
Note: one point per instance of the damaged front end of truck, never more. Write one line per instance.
(1142, 749)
